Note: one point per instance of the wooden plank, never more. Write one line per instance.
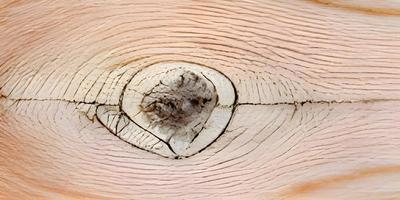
(317, 114)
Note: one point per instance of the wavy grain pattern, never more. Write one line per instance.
(318, 88)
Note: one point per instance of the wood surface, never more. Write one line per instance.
(317, 114)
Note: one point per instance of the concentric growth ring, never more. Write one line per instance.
(186, 106)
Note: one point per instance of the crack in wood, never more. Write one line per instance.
(366, 101)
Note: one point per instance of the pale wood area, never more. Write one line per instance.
(317, 114)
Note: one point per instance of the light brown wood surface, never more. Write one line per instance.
(317, 113)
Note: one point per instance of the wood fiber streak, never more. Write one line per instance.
(392, 173)
(372, 7)
(317, 114)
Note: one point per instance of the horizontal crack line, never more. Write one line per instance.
(55, 100)
(366, 101)
(294, 103)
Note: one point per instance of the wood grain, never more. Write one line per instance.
(372, 7)
(317, 115)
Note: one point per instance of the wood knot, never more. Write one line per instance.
(179, 99)
(185, 106)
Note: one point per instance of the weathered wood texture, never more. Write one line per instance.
(317, 116)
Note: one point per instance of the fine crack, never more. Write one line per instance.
(236, 104)
(301, 103)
